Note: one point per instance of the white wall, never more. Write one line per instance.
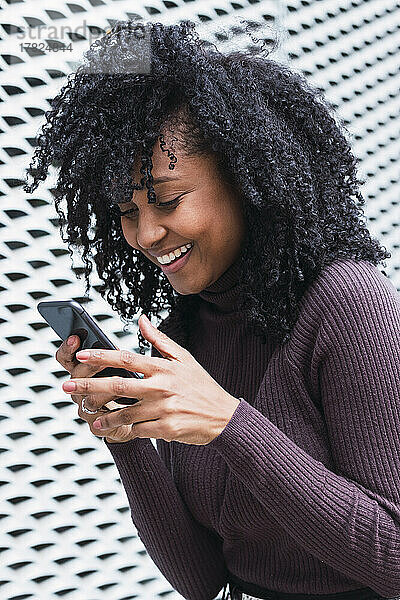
(65, 517)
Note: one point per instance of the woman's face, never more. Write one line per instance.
(208, 213)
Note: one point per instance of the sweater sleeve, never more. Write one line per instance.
(187, 553)
(350, 518)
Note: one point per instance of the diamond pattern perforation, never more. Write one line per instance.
(66, 526)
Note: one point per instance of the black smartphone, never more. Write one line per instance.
(68, 317)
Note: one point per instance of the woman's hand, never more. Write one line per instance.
(178, 399)
(65, 356)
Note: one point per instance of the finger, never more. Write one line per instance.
(167, 347)
(147, 429)
(89, 418)
(131, 361)
(140, 413)
(83, 370)
(99, 401)
(104, 405)
(114, 387)
(65, 354)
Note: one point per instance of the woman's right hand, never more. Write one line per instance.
(65, 355)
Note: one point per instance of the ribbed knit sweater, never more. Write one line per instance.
(300, 492)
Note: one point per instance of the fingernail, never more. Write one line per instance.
(71, 340)
(69, 386)
(97, 424)
(148, 321)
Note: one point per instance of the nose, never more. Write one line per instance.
(150, 230)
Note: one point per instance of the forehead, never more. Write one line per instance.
(164, 179)
(183, 165)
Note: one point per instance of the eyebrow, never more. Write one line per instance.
(157, 180)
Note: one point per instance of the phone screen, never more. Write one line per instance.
(68, 317)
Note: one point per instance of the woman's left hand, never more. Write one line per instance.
(179, 400)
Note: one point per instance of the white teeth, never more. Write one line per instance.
(167, 258)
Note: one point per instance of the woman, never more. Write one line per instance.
(272, 388)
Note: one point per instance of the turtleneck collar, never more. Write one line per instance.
(223, 293)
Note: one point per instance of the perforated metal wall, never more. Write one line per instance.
(66, 527)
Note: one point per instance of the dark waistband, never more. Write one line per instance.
(254, 590)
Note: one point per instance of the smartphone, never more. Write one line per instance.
(68, 317)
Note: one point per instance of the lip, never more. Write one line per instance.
(181, 262)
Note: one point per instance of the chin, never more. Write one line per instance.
(185, 291)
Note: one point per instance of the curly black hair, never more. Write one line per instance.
(273, 136)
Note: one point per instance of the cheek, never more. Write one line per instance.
(191, 225)
(129, 233)
(217, 228)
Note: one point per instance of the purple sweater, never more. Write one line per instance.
(300, 492)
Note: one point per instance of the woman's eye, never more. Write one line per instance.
(127, 212)
(133, 211)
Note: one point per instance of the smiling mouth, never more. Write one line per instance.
(176, 264)
(177, 257)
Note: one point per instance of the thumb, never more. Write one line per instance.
(167, 347)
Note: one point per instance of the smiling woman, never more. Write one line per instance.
(291, 173)
(196, 217)
(272, 388)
